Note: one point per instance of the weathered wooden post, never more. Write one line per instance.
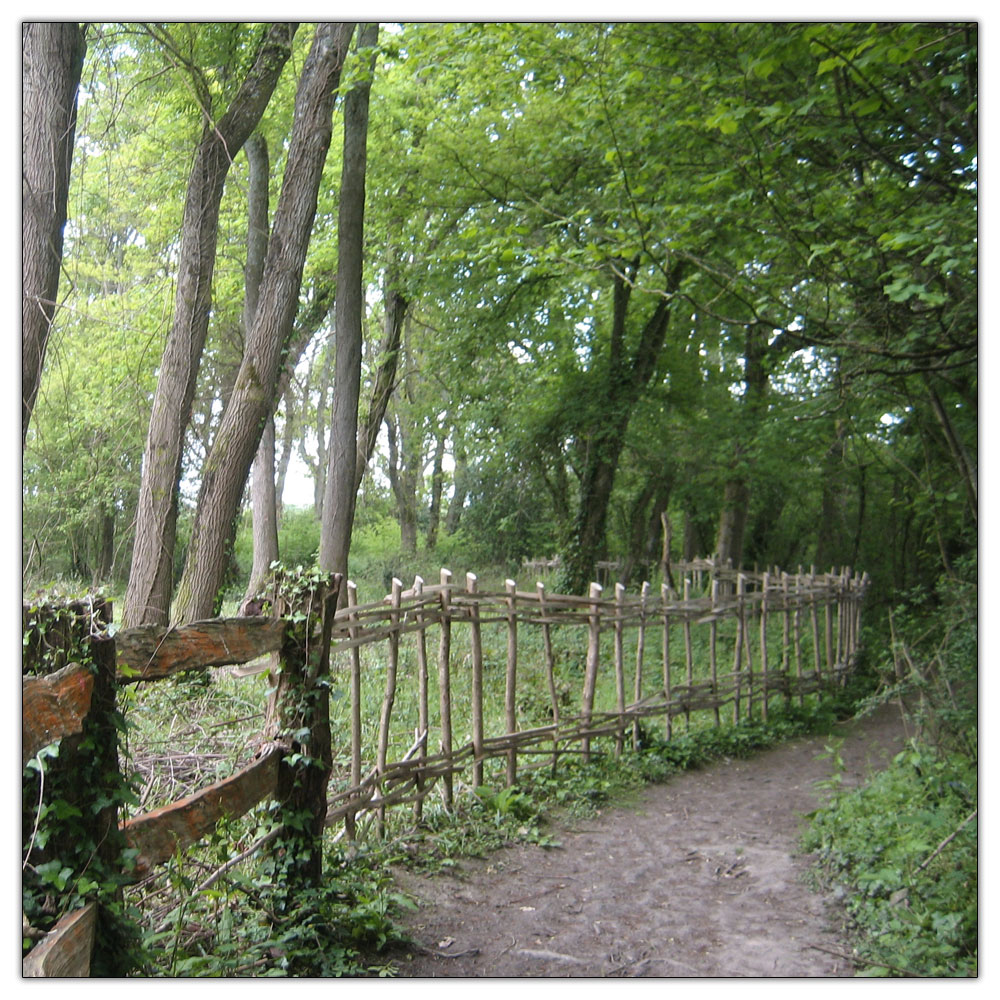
(713, 637)
(423, 715)
(667, 694)
(510, 684)
(619, 667)
(476, 639)
(590, 674)
(550, 668)
(688, 654)
(302, 722)
(640, 652)
(69, 694)
(350, 820)
(385, 720)
(444, 686)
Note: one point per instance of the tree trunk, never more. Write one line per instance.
(831, 497)
(461, 480)
(147, 600)
(385, 375)
(263, 499)
(624, 380)
(224, 474)
(437, 484)
(52, 56)
(403, 480)
(736, 493)
(106, 552)
(341, 492)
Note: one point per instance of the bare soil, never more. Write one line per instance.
(698, 877)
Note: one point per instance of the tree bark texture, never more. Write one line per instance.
(147, 600)
(341, 492)
(263, 500)
(385, 375)
(226, 468)
(736, 493)
(403, 480)
(623, 380)
(52, 56)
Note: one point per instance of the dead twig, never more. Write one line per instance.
(947, 840)
(909, 973)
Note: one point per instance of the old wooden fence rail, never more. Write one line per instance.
(816, 615)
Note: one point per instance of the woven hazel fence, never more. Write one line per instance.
(818, 613)
(768, 638)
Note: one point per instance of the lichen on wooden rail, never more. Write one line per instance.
(151, 652)
(157, 835)
(53, 707)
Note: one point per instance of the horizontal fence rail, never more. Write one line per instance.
(786, 636)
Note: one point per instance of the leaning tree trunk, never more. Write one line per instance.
(226, 468)
(395, 306)
(263, 500)
(341, 492)
(52, 63)
(147, 600)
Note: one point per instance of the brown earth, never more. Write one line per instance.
(698, 877)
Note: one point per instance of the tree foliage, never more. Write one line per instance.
(724, 272)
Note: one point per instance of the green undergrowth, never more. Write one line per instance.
(244, 926)
(902, 851)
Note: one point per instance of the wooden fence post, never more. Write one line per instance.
(785, 639)
(688, 655)
(765, 581)
(593, 657)
(350, 822)
(385, 719)
(76, 703)
(550, 670)
(713, 636)
(302, 724)
(640, 651)
(476, 639)
(423, 711)
(510, 685)
(665, 608)
(738, 649)
(444, 685)
(814, 618)
(798, 636)
(619, 669)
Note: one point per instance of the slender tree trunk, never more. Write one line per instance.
(224, 474)
(106, 551)
(52, 54)
(454, 517)
(263, 500)
(437, 485)
(403, 480)
(341, 492)
(147, 600)
(385, 375)
(831, 492)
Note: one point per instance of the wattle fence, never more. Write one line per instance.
(731, 644)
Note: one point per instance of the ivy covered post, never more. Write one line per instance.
(300, 714)
(73, 788)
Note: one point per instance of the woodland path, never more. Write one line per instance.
(700, 876)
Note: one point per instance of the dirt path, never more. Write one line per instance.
(699, 876)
